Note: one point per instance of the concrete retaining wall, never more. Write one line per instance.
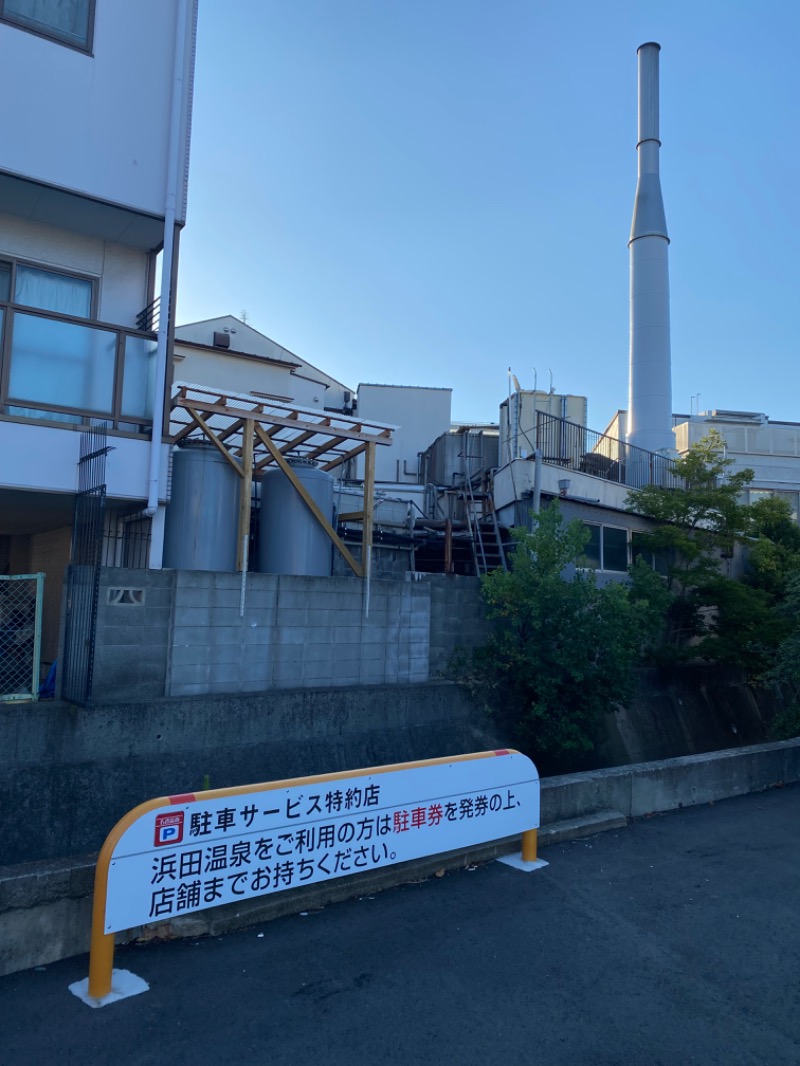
(45, 907)
(181, 633)
(69, 773)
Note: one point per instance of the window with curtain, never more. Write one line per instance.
(53, 292)
(63, 20)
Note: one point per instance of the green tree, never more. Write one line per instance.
(773, 546)
(698, 525)
(786, 668)
(563, 648)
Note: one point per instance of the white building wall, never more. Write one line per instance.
(99, 124)
(46, 460)
(249, 364)
(521, 408)
(223, 370)
(121, 271)
(420, 415)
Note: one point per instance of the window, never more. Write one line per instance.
(58, 364)
(67, 21)
(46, 290)
(641, 549)
(607, 548)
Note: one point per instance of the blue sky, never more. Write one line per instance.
(425, 192)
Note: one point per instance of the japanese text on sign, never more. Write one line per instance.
(203, 853)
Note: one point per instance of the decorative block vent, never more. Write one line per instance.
(126, 597)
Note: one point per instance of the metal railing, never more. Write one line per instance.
(66, 369)
(149, 318)
(575, 447)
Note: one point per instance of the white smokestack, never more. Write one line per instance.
(650, 383)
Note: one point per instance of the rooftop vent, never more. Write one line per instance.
(739, 416)
(222, 340)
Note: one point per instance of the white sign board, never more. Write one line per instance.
(199, 853)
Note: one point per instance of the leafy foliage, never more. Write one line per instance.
(711, 616)
(563, 650)
(786, 668)
(698, 526)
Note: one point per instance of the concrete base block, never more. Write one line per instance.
(124, 984)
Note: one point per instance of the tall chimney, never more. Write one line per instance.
(650, 382)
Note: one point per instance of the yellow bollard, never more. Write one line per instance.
(529, 841)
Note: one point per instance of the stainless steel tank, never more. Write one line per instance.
(202, 519)
(290, 540)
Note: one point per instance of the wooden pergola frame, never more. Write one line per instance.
(253, 434)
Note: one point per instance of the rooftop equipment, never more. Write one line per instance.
(201, 520)
(290, 539)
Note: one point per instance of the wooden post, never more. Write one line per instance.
(369, 509)
(246, 490)
(301, 491)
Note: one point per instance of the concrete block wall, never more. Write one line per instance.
(185, 634)
(134, 623)
(458, 620)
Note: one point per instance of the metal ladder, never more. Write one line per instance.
(488, 550)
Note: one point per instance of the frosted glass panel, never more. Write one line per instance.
(140, 369)
(62, 363)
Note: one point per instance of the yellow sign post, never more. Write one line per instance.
(178, 854)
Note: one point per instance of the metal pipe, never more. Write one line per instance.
(537, 480)
(650, 381)
(170, 215)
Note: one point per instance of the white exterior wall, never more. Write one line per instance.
(223, 370)
(97, 125)
(560, 405)
(299, 380)
(120, 270)
(46, 460)
(515, 480)
(420, 415)
(772, 451)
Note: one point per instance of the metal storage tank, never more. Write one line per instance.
(290, 540)
(202, 519)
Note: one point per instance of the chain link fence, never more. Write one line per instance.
(20, 635)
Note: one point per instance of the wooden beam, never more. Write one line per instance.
(343, 458)
(289, 446)
(246, 492)
(307, 500)
(333, 443)
(190, 427)
(215, 441)
(369, 508)
(382, 437)
(350, 516)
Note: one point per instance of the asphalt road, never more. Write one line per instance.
(674, 941)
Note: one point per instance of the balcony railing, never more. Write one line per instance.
(59, 368)
(575, 447)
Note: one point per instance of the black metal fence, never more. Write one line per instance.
(575, 447)
(127, 543)
(84, 571)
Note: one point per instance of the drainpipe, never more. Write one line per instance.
(537, 480)
(170, 213)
